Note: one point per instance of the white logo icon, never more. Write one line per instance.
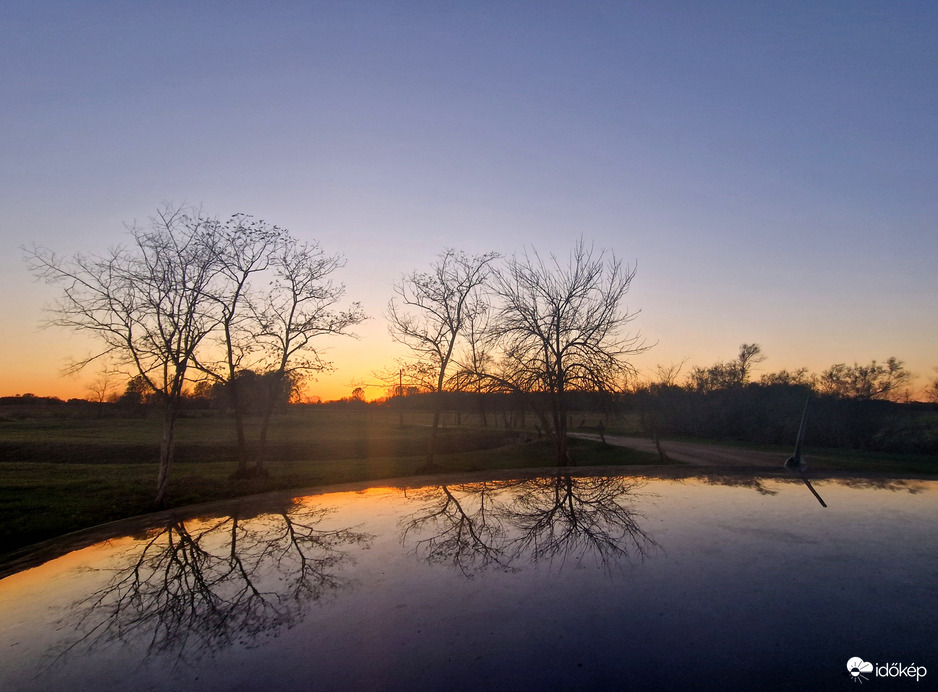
(857, 666)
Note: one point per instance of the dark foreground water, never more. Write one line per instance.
(548, 582)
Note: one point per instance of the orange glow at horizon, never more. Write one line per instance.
(41, 356)
(325, 387)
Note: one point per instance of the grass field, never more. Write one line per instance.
(58, 474)
(862, 462)
(825, 458)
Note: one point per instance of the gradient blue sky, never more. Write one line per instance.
(771, 167)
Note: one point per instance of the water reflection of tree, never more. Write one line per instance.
(463, 523)
(739, 481)
(913, 487)
(910, 486)
(473, 526)
(193, 588)
(565, 516)
(476, 525)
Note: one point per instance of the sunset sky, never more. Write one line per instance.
(771, 168)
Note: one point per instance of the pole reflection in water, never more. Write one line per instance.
(814, 492)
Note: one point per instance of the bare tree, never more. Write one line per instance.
(873, 381)
(561, 328)
(430, 313)
(103, 388)
(243, 250)
(721, 375)
(666, 375)
(147, 305)
(180, 298)
(931, 391)
(749, 355)
(477, 356)
(296, 309)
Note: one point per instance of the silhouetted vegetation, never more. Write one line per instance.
(538, 330)
(853, 407)
(179, 295)
(559, 329)
(430, 313)
(215, 319)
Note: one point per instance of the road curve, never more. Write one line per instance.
(696, 453)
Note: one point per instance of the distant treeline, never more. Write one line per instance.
(754, 412)
(771, 414)
(858, 406)
(33, 400)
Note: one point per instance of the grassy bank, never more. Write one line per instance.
(825, 458)
(862, 462)
(299, 434)
(60, 476)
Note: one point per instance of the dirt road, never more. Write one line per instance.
(697, 454)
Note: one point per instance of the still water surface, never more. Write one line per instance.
(538, 582)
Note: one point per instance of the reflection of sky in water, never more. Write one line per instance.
(543, 583)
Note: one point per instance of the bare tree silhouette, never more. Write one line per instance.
(243, 252)
(296, 309)
(179, 295)
(430, 313)
(561, 328)
(146, 303)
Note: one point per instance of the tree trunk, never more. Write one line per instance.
(437, 406)
(167, 448)
(259, 469)
(431, 445)
(560, 426)
(272, 392)
(236, 405)
(237, 408)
